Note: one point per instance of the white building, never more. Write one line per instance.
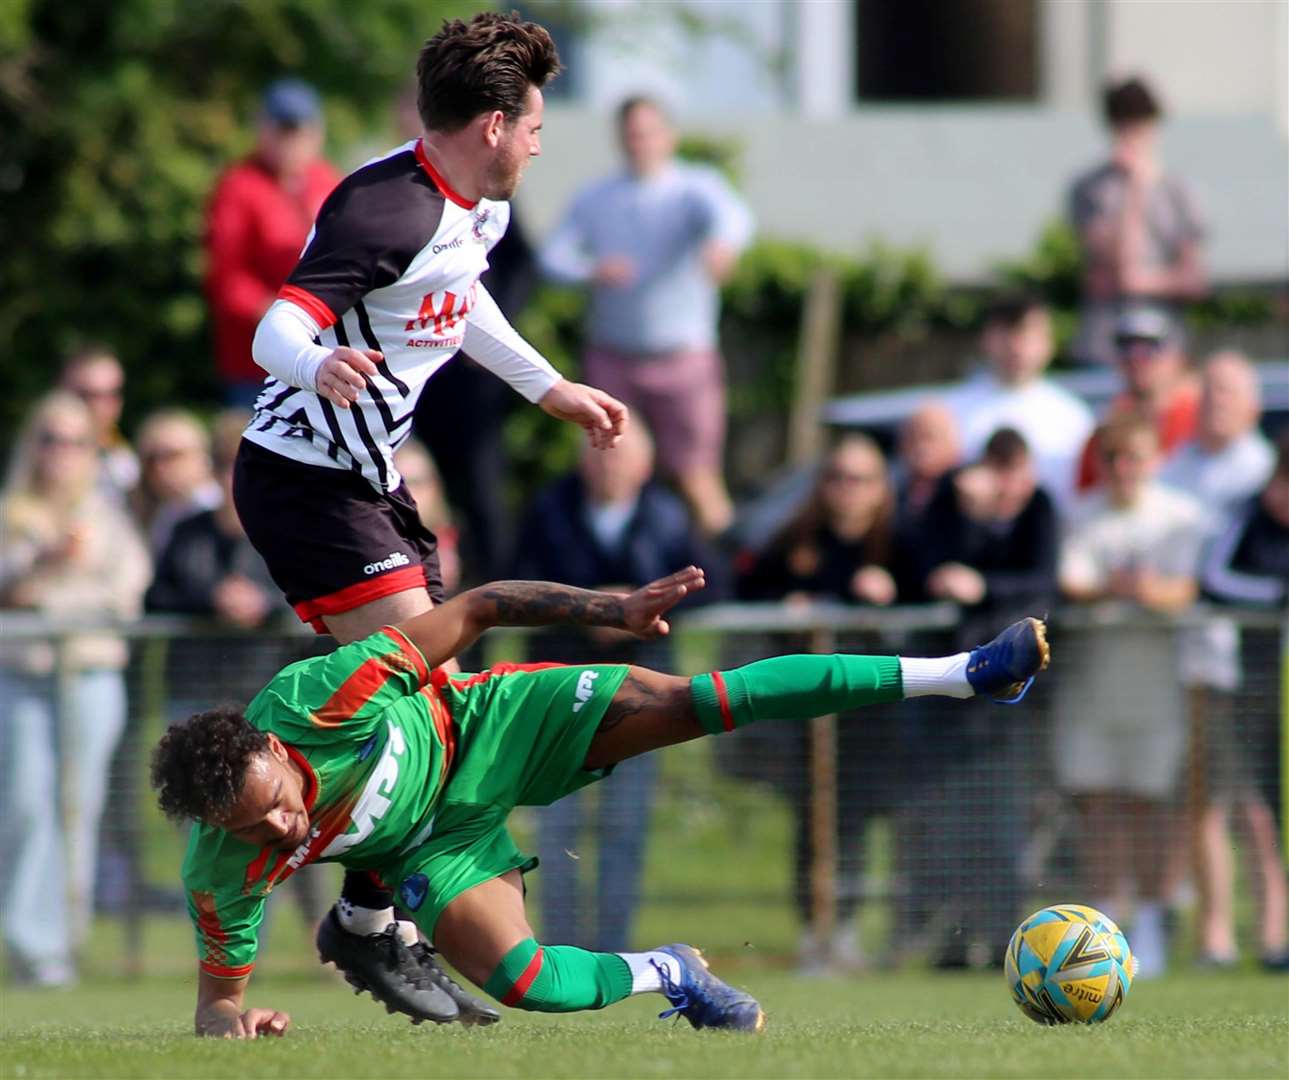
(956, 124)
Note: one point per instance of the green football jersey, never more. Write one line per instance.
(374, 742)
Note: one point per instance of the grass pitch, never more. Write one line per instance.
(906, 1025)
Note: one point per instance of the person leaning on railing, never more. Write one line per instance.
(838, 547)
(1248, 565)
(65, 550)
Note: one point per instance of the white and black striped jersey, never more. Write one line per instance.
(392, 264)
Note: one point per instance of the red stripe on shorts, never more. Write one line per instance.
(364, 592)
(517, 992)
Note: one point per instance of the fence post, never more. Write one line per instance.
(823, 816)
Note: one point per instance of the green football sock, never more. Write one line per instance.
(793, 688)
(558, 978)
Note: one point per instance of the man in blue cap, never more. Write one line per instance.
(259, 216)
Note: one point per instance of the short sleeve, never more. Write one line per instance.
(1190, 224)
(1081, 204)
(342, 693)
(225, 913)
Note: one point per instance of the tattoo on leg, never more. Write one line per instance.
(632, 698)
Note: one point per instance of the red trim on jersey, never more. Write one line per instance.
(363, 592)
(364, 683)
(316, 308)
(310, 777)
(215, 937)
(439, 182)
(491, 673)
(222, 972)
(516, 993)
(723, 700)
(255, 870)
(410, 651)
(444, 727)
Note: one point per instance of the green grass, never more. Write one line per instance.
(908, 1025)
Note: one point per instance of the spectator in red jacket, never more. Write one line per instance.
(259, 217)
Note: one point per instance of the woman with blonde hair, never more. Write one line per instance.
(66, 553)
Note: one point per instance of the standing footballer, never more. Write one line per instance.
(386, 291)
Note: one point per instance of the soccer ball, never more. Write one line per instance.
(1068, 964)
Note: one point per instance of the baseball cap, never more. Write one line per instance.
(292, 102)
(1147, 324)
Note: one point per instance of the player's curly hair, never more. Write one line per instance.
(199, 766)
(484, 65)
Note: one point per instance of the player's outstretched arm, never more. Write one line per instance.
(220, 1014)
(445, 631)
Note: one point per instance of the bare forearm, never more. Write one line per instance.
(443, 632)
(543, 603)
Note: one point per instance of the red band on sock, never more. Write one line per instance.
(723, 700)
(517, 992)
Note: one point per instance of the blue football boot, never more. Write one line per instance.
(1005, 668)
(701, 998)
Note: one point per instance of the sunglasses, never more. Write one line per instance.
(90, 393)
(840, 476)
(167, 453)
(48, 440)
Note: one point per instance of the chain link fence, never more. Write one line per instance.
(914, 832)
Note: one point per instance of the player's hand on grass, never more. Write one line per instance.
(340, 378)
(602, 416)
(644, 608)
(248, 1025)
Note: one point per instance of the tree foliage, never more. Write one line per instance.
(117, 117)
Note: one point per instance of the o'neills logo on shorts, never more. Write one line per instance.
(393, 561)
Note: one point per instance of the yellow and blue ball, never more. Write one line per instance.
(1068, 964)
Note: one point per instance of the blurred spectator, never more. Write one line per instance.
(606, 526)
(929, 448)
(838, 548)
(840, 545)
(425, 485)
(1247, 565)
(175, 479)
(654, 243)
(1156, 384)
(462, 421)
(95, 375)
(990, 538)
(1137, 225)
(1120, 728)
(209, 568)
(66, 552)
(1229, 459)
(1013, 393)
(259, 217)
(988, 541)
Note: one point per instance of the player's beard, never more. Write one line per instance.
(504, 175)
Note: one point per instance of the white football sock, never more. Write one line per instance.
(942, 675)
(407, 933)
(363, 920)
(645, 978)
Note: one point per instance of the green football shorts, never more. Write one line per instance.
(523, 731)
